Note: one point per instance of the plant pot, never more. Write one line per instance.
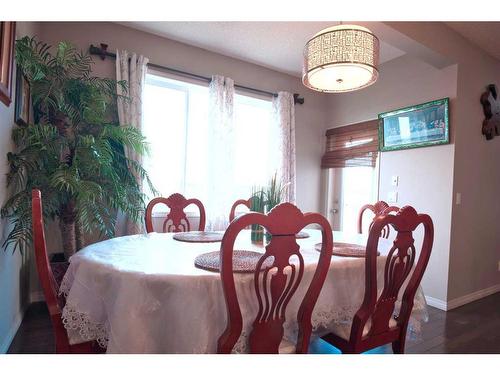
(257, 234)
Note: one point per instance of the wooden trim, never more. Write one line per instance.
(7, 39)
(468, 298)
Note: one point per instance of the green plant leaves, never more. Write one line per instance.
(74, 153)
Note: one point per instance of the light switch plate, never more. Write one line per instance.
(458, 199)
(392, 196)
(395, 180)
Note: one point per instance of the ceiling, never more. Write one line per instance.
(275, 45)
(483, 34)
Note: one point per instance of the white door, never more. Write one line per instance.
(349, 189)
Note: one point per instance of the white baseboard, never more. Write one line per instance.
(5, 344)
(460, 301)
(463, 300)
(37, 296)
(437, 303)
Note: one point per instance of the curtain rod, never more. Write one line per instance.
(103, 53)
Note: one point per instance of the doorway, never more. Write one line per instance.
(349, 189)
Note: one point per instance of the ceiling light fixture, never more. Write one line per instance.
(340, 59)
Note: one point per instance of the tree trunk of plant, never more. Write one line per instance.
(80, 237)
(67, 225)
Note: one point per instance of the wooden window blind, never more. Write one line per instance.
(351, 146)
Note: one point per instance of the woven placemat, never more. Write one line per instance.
(198, 236)
(301, 235)
(243, 261)
(342, 249)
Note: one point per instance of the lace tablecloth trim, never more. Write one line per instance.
(66, 284)
(241, 346)
(327, 318)
(87, 329)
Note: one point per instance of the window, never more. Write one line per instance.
(176, 125)
(351, 156)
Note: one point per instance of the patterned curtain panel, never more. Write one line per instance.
(221, 152)
(131, 68)
(351, 146)
(284, 108)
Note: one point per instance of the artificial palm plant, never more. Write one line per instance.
(73, 151)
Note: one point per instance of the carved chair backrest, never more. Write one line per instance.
(378, 209)
(277, 277)
(176, 220)
(247, 203)
(398, 266)
(49, 285)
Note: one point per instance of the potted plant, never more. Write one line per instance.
(73, 151)
(264, 200)
(257, 205)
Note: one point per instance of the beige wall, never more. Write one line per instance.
(14, 267)
(310, 117)
(475, 235)
(425, 174)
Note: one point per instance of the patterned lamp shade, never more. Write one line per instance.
(341, 58)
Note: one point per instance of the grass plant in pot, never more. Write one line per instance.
(264, 200)
(73, 151)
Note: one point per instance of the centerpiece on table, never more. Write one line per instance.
(73, 151)
(263, 200)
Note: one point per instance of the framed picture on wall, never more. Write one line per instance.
(23, 99)
(7, 35)
(421, 125)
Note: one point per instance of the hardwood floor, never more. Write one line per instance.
(473, 328)
(34, 336)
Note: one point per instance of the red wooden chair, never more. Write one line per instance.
(374, 324)
(378, 209)
(176, 220)
(274, 289)
(244, 202)
(50, 286)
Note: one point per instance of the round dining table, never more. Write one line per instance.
(144, 294)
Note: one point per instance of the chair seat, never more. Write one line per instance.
(344, 330)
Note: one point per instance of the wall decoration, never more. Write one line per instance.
(7, 35)
(491, 109)
(416, 126)
(23, 99)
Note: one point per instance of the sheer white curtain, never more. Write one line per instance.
(220, 152)
(284, 108)
(131, 68)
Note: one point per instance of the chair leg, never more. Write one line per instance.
(398, 347)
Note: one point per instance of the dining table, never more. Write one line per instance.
(144, 294)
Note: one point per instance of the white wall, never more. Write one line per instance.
(425, 174)
(475, 236)
(14, 267)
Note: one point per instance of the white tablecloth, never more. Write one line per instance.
(143, 294)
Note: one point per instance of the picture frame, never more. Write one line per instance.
(421, 125)
(23, 99)
(7, 37)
